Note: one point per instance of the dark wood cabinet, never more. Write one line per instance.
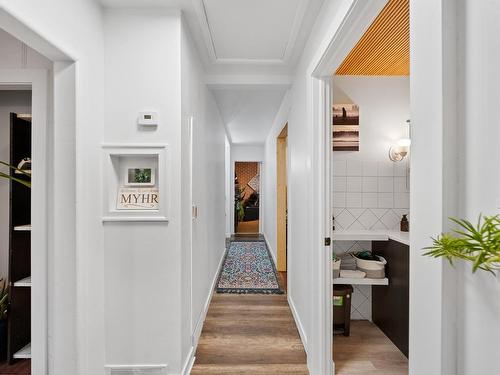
(390, 304)
(19, 318)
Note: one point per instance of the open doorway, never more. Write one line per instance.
(370, 195)
(31, 212)
(246, 197)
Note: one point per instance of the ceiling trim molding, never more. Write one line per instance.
(201, 14)
(248, 81)
(294, 32)
(220, 61)
(248, 144)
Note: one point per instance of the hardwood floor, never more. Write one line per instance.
(249, 334)
(22, 367)
(367, 352)
(248, 226)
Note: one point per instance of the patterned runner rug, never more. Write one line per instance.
(248, 268)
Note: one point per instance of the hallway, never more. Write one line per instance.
(249, 334)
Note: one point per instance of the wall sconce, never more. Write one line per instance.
(400, 150)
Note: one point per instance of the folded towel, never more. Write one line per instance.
(348, 274)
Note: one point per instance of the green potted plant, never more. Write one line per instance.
(478, 244)
(239, 200)
(4, 303)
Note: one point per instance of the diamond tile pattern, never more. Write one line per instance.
(374, 196)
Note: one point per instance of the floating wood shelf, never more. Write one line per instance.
(23, 228)
(26, 282)
(24, 353)
(363, 281)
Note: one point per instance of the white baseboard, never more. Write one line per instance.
(270, 250)
(195, 337)
(188, 364)
(298, 323)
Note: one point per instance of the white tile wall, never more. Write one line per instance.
(354, 184)
(370, 184)
(353, 200)
(386, 184)
(340, 184)
(367, 195)
(354, 168)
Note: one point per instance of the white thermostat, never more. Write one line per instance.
(148, 119)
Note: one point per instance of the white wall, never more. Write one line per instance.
(142, 261)
(384, 107)
(229, 187)
(75, 250)
(60, 261)
(17, 102)
(201, 255)
(478, 305)
(453, 93)
(247, 153)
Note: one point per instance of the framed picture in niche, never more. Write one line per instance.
(136, 183)
(140, 177)
(345, 127)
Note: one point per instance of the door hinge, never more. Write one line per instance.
(328, 241)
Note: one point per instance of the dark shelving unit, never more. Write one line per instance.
(19, 319)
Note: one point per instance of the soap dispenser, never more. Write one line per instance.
(405, 224)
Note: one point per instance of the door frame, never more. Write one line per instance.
(37, 81)
(359, 16)
(439, 356)
(281, 201)
(53, 220)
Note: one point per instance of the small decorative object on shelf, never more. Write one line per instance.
(24, 165)
(372, 265)
(478, 244)
(405, 224)
(336, 261)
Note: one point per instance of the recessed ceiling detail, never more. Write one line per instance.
(249, 113)
(384, 49)
(253, 30)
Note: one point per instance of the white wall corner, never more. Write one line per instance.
(271, 249)
(298, 322)
(189, 362)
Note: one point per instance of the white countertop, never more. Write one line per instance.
(363, 281)
(371, 235)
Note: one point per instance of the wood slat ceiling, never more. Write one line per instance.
(384, 49)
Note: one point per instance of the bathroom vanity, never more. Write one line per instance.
(390, 304)
(390, 296)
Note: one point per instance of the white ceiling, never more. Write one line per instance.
(249, 49)
(249, 114)
(252, 29)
